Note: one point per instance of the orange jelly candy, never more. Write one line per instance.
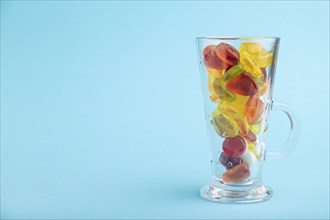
(211, 60)
(227, 53)
(237, 173)
(215, 73)
(253, 109)
(243, 84)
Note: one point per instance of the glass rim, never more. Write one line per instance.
(237, 38)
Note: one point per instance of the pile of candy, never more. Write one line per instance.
(236, 81)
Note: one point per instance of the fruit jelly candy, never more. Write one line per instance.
(214, 72)
(232, 72)
(265, 59)
(234, 147)
(237, 117)
(211, 60)
(238, 104)
(248, 158)
(219, 86)
(227, 53)
(243, 84)
(255, 128)
(251, 48)
(224, 126)
(237, 173)
(229, 162)
(254, 108)
(250, 136)
(220, 89)
(250, 65)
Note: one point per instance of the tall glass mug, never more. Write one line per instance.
(237, 76)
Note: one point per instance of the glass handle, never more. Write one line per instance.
(295, 128)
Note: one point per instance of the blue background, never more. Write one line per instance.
(102, 112)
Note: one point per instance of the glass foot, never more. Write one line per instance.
(215, 194)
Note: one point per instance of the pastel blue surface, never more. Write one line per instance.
(102, 112)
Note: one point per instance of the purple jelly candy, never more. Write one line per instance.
(229, 162)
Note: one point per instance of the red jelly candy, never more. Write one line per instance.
(250, 136)
(227, 53)
(211, 60)
(253, 109)
(234, 147)
(264, 73)
(243, 84)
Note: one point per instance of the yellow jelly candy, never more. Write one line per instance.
(210, 81)
(250, 65)
(225, 127)
(255, 128)
(251, 48)
(238, 104)
(265, 59)
(237, 117)
(215, 73)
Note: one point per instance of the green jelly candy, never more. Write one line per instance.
(237, 117)
(220, 89)
(233, 72)
(224, 126)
